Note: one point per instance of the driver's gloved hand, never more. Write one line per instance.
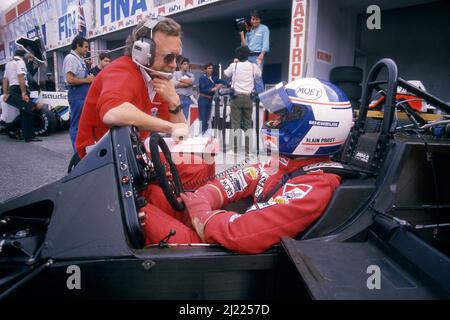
(180, 131)
(199, 210)
(212, 194)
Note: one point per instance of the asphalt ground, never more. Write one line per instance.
(27, 166)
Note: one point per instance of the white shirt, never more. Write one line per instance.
(149, 81)
(13, 68)
(243, 76)
(75, 64)
(9, 113)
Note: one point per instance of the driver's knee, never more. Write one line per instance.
(158, 225)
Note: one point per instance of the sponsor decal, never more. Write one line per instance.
(333, 124)
(261, 182)
(324, 56)
(309, 92)
(295, 191)
(228, 187)
(362, 156)
(298, 39)
(234, 217)
(284, 161)
(238, 180)
(251, 173)
(263, 205)
(320, 165)
(270, 141)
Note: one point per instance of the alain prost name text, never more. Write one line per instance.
(220, 310)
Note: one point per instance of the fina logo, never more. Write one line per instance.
(309, 92)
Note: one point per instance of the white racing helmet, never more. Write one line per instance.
(308, 117)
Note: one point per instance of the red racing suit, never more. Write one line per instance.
(291, 209)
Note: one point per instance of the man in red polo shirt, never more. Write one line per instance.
(130, 92)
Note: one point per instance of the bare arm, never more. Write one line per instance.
(243, 43)
(23, 87)
(5, 86)
(74, 81)
(5, 89)
(184, 83)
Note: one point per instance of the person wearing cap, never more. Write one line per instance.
(258, 41)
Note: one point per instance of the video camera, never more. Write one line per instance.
(242, 24)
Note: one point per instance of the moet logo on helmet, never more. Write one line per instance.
(309, 92)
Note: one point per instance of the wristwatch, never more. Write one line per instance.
(176, 110)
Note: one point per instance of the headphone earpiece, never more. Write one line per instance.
(143, 51)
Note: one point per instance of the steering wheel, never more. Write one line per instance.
(171, 186)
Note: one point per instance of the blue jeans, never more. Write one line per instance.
(185, 103)
(76, 97)
(204, 112)
(259, 84)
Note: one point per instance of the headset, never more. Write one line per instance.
(143, 51)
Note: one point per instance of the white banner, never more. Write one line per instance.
(297, 51)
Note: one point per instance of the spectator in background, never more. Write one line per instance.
(78, 81)
(17, 93)
(243, 75)
(103, 60)
(258, 41)
(184, 80)
(49, 83)
(207, 86)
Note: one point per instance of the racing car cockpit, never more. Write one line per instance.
(381, 215)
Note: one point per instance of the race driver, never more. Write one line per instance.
(313, 119)
(137, 90)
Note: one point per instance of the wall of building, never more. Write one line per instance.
(335, 34)
(215, 42)
(417, 38)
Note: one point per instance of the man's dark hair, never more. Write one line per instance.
(208, 64)
(242, 53)
(104, 55)
(183, 60)
(255, 13)
(78, 41)
(19, 52)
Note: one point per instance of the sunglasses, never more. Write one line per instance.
(168, 58)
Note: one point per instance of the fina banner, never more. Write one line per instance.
(297, 50)
(113, 15)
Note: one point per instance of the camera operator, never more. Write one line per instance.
(258, 41)
(243, 74)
